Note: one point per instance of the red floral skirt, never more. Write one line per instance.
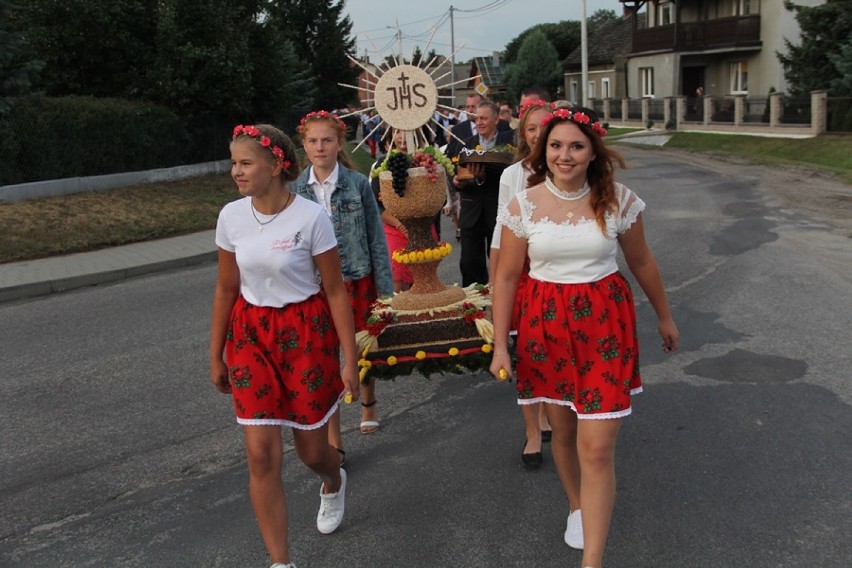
(283, 364)
(362, 296)
(577, 346)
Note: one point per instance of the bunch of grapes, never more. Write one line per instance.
(397, 164)
(427, 161)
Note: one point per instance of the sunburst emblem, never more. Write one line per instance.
(406, 97)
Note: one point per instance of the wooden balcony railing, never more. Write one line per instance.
(738, 31)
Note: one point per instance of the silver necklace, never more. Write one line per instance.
(262, 224)
(565, 195)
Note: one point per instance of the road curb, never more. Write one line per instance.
(35, 289)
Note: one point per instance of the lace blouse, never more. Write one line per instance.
(561, 248)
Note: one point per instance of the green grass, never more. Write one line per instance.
(831, 153)
(619, 131)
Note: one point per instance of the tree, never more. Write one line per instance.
(89, 47)
(200, 69)
(321, 35)
(537, 63)
(809, 66)
(417, 58)
(283, 92)
(841, 85)
(16, 75)
(564, 35)
(599, 18)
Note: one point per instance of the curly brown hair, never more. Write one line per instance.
(601, 172)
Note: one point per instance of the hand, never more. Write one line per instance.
(351, 383)
(477, 171)
(219, 376)
(401, 228)
(671, 336)
(501, 361)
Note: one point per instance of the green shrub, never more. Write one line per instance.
(54, 138)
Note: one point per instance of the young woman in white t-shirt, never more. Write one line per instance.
(279, 334)
(577, 346)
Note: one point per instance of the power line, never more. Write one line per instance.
(401, 25)
(496, 4)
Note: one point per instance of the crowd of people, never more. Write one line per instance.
(305, 253)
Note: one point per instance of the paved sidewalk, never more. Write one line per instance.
(31, 278)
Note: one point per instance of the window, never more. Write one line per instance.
(664, 14)
(739, 77)
(742, 7)
(591, 89)
(646, 81)
(575, 92)
(605, 88)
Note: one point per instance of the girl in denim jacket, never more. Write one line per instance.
(348, 199)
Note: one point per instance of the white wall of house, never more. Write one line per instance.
(727, 71)
(598, 76)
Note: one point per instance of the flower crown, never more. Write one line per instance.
(265, 141)
(318, 115)
(577, 116)
(537, 103)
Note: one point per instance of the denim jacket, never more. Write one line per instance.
(357, 226)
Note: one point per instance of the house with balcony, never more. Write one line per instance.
(727, 47)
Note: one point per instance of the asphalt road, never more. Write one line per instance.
(116, 450)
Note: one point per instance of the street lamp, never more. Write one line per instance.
(399, 39)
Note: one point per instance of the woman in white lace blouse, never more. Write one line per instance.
(577, 347)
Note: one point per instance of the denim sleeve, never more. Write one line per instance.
(376, 242)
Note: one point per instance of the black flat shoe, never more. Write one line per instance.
(546, 435)
(531, 461)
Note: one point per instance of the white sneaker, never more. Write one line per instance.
(574, 530)
(279, 565)
(331, 507)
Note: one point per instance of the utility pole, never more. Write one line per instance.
(452, 59)
(399, 37)
(584, 56)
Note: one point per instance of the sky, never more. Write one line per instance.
(481, 26)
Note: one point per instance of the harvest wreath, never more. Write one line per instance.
(451, 338)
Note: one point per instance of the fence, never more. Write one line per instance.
(775, 115)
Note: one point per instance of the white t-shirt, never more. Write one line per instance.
(276, 264)
(561, 250)
(512, 180)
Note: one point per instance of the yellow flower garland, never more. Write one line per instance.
(425, 255)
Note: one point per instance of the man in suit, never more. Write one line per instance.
(478, 196)
(467, 128)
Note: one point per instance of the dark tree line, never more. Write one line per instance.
(252, 59)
